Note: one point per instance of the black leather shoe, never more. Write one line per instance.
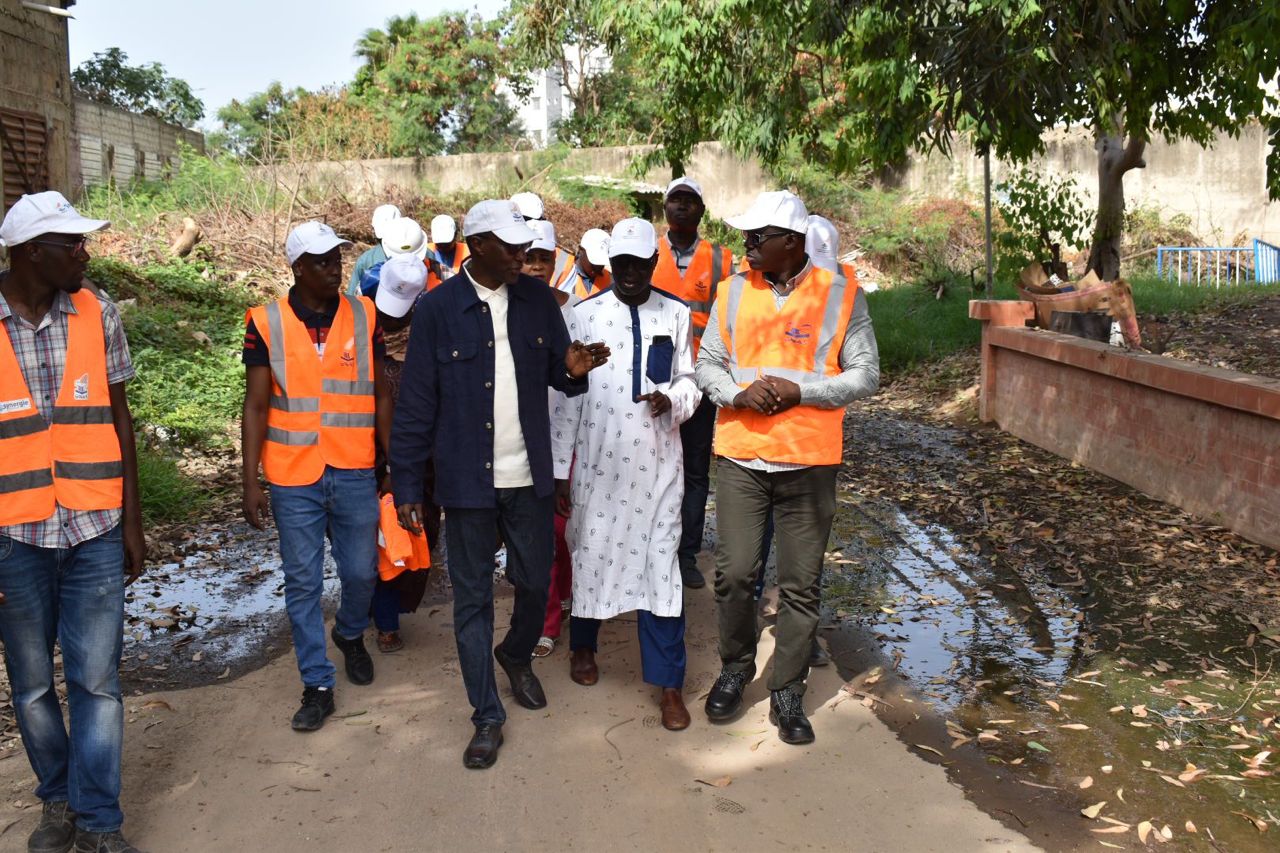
(358, 663)
(786, 711)
(482, 751)
(725, 699)
(317, 703)
(692, 577)
(524, 684)
(103, 842)
(57, 830)
(818, 655)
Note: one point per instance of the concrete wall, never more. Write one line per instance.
(730, 183)
(1222, 188)
(118, 144)
(35, 77)
(1204, 439)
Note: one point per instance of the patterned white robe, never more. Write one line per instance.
(628, 477)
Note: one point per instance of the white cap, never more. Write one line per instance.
(595, 243)
(530, 205)
(633, 237)
(44, 213)
(443, 229)
(500, 218)
(404, 237)
(384, 214)
(780, 209)
(400, 282)
(311, 238)
(546, 239)
(685, 183)
(822, 242)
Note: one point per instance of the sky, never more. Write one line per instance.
(233, 48)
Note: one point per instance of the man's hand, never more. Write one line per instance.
(788, 393)
(659, 403)
(580, 359)
(564, 504)
(760, 396)
(411, 516)
(254, 505)
(135, 551)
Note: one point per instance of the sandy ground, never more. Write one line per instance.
(217, 768)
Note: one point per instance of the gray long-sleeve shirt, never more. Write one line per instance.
(859, 365)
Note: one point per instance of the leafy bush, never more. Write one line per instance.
(185, 330)
(1038, 214)
(167, 494)
(937, 241)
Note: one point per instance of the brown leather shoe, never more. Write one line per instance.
(675, 716)
(582, 667)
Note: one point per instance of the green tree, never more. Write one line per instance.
(376, 46)
(437, 89)
(868, 82)
(249, 127)
(108, 78)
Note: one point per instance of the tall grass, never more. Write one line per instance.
(167, 494)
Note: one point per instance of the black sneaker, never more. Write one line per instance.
(691, 577)
(317, 703)
(725, 698)
(358, 663)
(103, 842)
(786, 711)
(57, 830)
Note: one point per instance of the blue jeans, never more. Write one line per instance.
(74, 595)
(527, 524)
(344, 503)
(662, 653)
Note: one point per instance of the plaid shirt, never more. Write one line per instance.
(42, 353)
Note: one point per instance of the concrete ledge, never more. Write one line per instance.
(1202, 438)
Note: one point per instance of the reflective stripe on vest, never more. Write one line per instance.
(697, 285)
(562, 262)
(800, 342)
(322, 410)
(74, 459)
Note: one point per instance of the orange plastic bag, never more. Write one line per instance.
(398, 549)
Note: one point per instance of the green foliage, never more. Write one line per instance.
(824, 191)
(146, 89)
(932, 242)
(1038, 214)
(187, 387)
(167, 494)
(280, 124)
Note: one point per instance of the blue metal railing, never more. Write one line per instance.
(1219, 265)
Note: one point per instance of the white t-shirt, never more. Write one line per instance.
(510, 457)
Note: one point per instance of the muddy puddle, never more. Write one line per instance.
(215, 614)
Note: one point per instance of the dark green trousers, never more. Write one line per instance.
(803, 503)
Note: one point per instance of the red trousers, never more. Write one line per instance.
(561, 582)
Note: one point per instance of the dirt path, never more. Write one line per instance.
(217, 767)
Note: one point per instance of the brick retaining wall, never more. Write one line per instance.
(1202, 438)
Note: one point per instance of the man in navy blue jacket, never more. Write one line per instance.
(483, 349)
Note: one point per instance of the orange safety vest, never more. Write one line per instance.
(800, 342)
(73, 460)
(398, 549)
(697, 287)
(322, 409)
(601, 282)
(460, 253)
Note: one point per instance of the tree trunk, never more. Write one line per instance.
(1115, 158)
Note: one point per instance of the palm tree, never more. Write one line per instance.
(376, 47)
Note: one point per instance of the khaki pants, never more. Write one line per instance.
(803, 503)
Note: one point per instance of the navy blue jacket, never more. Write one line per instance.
(445, 408)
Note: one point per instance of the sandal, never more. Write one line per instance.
(389, 641)
(545, 646)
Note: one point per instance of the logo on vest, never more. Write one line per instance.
(798, 334)
(81, 389)
(349, 357)
(10, 406)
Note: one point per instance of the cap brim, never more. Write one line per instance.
(392, 305)
(746, 222)
(599, 256)
(682, 188)
(515, 234)
(80, 225)
(323, 246)
(634, 250)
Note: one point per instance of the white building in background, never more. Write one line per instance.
(549, 104)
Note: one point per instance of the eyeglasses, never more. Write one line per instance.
(77, 246)
(752, 240)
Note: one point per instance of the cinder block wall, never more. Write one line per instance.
(35, 78)
(1204, 439)
(117, 144)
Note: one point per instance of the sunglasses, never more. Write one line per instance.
(79, 245)
(752, 240)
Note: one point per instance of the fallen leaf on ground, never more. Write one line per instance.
(1052, 704)
(1172, 781)
(1075, 727)
(1111, 830)
(1086, 782)
(1191, 773)
(1093, 811)
(1039, 747)
(1190, 827)
(1144, 830)
(927, 749)
(722, 782)
(1258, 823)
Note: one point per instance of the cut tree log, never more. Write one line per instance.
(187, 239)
